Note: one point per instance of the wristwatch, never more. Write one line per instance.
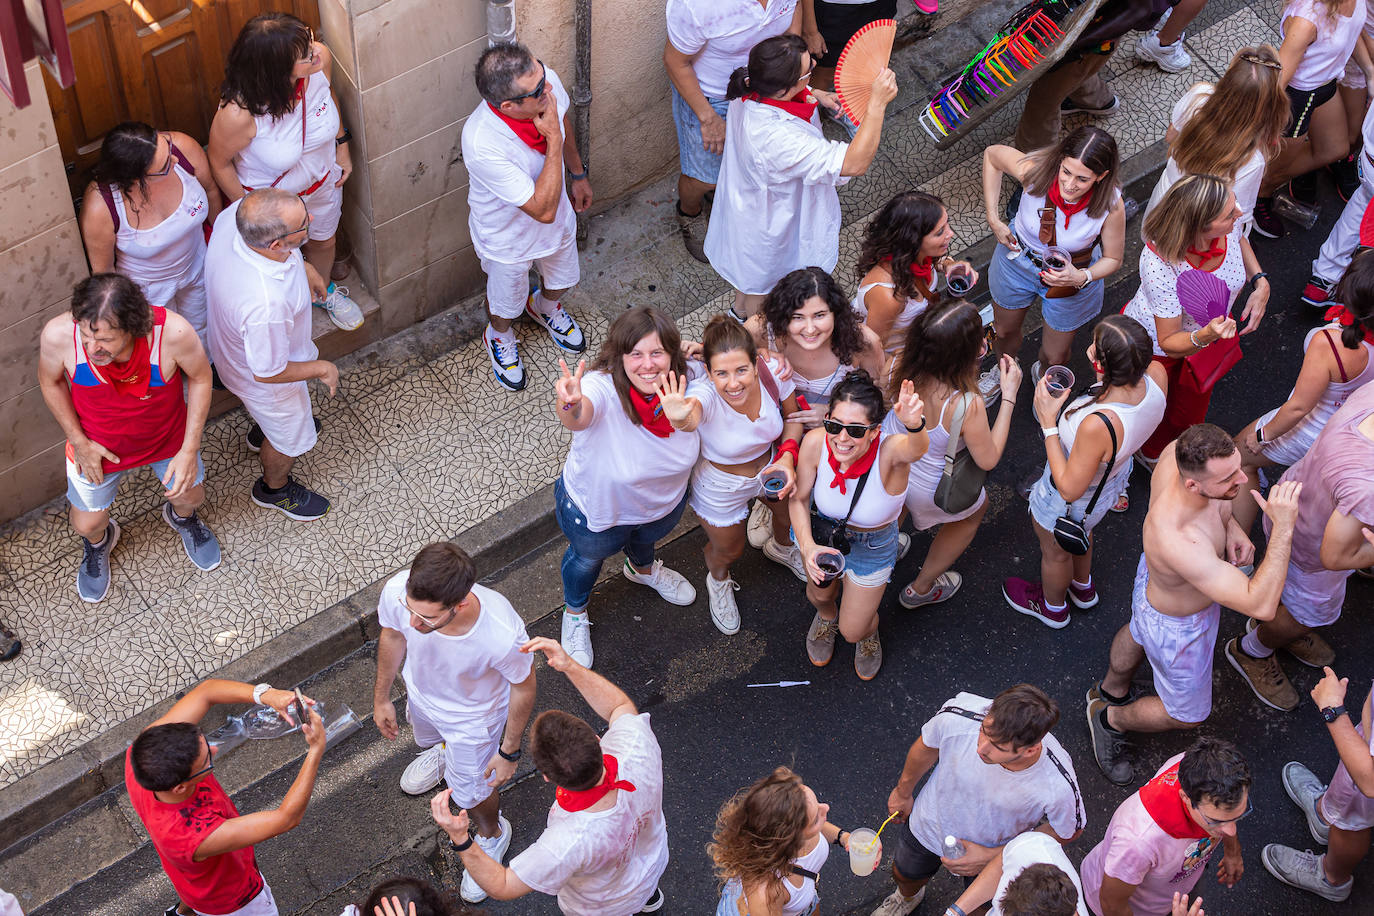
(258, 691)
(510, 757)
(1332, 713)
(463, 846)
(344, 137)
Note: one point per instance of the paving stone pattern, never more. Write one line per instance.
(416, 449)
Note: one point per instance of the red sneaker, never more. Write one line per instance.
(1029, 598)
(1083, 598)
(1317, 291)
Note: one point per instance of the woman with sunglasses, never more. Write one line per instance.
(940, 359)
(851, 483)
(144, 216)
(278, 126)
(624, 483)
(776, 207)
(737, 410)
(1127, 392)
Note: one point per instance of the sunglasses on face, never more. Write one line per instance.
(538, 90)
(855, 430)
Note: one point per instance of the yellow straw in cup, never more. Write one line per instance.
(874, 841)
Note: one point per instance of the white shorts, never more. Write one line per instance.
(508, 285)
(184, 295)
(920, 502)
(721, 499)
(1314, 598)
(264, 904)
(325, 207)
(1289, 448)
(1180, 651)
(465, 760)
(284, 415)
(1343, 805)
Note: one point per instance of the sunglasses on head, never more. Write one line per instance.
(855, 430)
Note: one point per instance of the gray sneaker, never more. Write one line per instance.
(897, 905)
(820, 640)
(1109, 747)
(693, 232)
(198, 540)
(868, 657)
(1303, 786)
(93, 575)
(1303, 869)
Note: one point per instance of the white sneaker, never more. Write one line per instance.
(504, 354)
(1036, 372)
(425, 772)
(1169, 58)
(897, 905)
(990, 386)
(760, 527)
(346, 314)
(789, 556)
(671, 586)
(495, 847)
(724, 610)
(903, 544)
(560, 325)
(577, 638)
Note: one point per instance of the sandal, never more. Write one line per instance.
(1123, 502)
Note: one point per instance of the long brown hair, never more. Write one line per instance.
(760, 830)
(895, 236)
(1247, 111)
(628, 329)
(1093, 147)
(942, 345)
(1185, 210)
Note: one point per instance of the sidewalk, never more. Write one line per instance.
(421, 444)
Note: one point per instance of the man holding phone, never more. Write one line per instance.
(205, 845)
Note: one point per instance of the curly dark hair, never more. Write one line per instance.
(427, 900)
(760, 830)
(943, 345)
(257, 73)
(895, 235)
(802, 284)
(114, 299)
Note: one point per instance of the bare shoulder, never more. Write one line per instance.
(190, 148)
(326, 65)
(57, 331)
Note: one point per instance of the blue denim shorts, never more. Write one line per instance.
(1016, 284)
(693, 160)
(95, 497)
(1046, 505)
(872, 554)
(734, 890)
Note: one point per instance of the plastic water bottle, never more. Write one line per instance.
(953, 848)
(1295, 211)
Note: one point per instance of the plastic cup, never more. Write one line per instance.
(864, 851)
(831, 563)
(960, 282)
(1057, 258)
(773, 482)
(1058, 378)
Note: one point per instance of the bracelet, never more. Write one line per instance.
(511, 757)
(462, 847)
(1087, 277)
(1192, 338)
(836, 841)
(1259, 433)
(1260, 276)
(918, 429)
(344, 137)
(1048, 431)
(577, 176)
(955, 909)
(258, 691)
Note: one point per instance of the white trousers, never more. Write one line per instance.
(1340, 245)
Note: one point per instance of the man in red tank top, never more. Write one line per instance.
(110, 372)
(205, 846)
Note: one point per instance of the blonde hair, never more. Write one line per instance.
(1247, 111)
(760, 830)
(1187, 207)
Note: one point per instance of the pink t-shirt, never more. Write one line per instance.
(1136, 851)
(1335, 477)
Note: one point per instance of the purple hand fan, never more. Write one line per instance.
(1203, 295)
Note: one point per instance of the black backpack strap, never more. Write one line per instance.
(1080, 818)
(803, 872)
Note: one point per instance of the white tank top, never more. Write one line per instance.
(277, 148)
(1336, 392)
(1079, 235)
(913, 307)
(1325, 57)
(876, 507)
(799, 899)
(728, 436)
(1138, 422)
(169, 249)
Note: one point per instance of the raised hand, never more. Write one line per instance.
(884, 90)
(1330, 690)
(1181, 907)
(1282, 504)
(1047, 403)
(672, 395)
(569, 385)
(547, 122)
(909, 407)
(1011, 377)
(558, 659)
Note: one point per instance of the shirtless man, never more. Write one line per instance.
(1187, 571)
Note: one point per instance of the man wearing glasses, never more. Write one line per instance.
(260, 291)
(469, 688)
(205, 846)
(515, 146)
(1161, 838)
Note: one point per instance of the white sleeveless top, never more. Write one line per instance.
(728, 436)
(278, 148)
(799, 899)
(927, 470)
(910, 310)
(1138, 422)
(876, 507)
(1081, 232)
(1324, 60)
(170, 249)
(1336, 392)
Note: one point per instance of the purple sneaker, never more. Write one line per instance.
(1083, 598)
(1029, 599)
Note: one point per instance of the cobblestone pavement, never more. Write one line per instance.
(416, 449)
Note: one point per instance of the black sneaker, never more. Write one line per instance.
(295, 501)
(9, 644)
(255, 437)
(655, 902)
(1267, 222)
(1346, 173)
(1068, 107)
(1109, 746)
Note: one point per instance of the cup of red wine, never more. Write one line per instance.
(960, 281)
(831, 563)
(1057, 258)
(773, 482)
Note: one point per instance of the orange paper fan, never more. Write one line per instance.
(863, 58)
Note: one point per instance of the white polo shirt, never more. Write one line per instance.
(502, 170)
(722, 32)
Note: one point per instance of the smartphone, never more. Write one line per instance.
(299, 707)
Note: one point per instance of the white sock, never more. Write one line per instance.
(542, 305)
(1082, 585)
(508, 334)
(1253, 647)
(1056, 607)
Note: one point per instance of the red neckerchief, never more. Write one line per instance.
(570, 800)
(651, 415)
(1165, 806)
(802, 105)
(1216, 249)
(133, 375)
(1347, 318)
(1068, 210)
(922, 269)
(857, 469)
(525, 130)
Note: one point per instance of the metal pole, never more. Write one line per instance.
(500, 21)
(582, 94)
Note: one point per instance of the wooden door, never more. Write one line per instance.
(159, 61)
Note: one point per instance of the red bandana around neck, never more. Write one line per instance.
(1162, 802)
(525, 130)
(651, 415)
(133, 375)
(922, 269)
(570, 800)
(1068, 210)
(1215, 249)
(857, 469)
(802, 105)
(1347, 318)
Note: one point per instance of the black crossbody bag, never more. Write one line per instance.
(1073, 535)
(828, 533)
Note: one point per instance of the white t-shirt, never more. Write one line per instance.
(1034, 848)
(607, 863)
(502, 170)
(1324, 60)
(619, 473)
(460, 683)
(1158, 293)
(987, 803)
(730, 437)
(721, 34)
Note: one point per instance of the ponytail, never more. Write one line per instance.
(1356, 293)
(739, 83)
(775, 65)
